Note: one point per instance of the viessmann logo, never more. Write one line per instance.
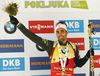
(43, 26)
(78, 41)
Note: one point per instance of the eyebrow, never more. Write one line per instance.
(60, 30)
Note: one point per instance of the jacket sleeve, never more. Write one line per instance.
(38, 40)
(79, 61)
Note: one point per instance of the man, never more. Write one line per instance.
(63, 54)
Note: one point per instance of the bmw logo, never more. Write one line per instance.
(9, 27)
(64, 50)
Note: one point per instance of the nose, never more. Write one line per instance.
(60, 34)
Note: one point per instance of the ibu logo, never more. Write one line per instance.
(96, 43)
(74, 26)
(12, 64)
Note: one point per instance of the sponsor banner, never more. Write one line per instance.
(49, 5)
(12, 64)
(54, 5)
(40, 75)
(96, 60)
(12, 45)
(75, 26)
(79, 74)
(40, 63)
(46, 4)
(50, 75)
(96, 25)
(78, 41)
(96, 43)
(79, 4)
(43, 26)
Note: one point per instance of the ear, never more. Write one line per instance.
(67, 33)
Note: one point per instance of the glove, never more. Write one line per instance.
(13, 20)
(88, 53)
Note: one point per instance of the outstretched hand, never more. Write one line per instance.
(88, 53)
(13, 20)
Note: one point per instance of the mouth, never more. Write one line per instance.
(60, 37)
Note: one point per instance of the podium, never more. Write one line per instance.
(58, 73)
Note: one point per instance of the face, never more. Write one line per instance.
(61, 35)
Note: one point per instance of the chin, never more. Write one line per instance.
(60, 40)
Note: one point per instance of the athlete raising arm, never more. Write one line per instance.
(62, 53)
